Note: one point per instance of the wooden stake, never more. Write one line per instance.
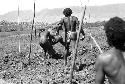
(96, 43)
(31, 38)
(18, 26)
(34, 17)
(76, 45)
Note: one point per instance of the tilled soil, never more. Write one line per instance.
(15, 67)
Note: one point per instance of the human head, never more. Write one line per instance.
(67, 12)
(115, 32)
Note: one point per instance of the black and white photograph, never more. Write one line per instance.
(62, 41)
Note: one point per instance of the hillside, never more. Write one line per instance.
(97, 13)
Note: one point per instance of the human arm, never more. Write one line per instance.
(58, 26)
(77, 23)
(100, 75)
(81, 31)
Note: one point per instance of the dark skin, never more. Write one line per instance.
(111, 64)
(71, 24)
(47, 40)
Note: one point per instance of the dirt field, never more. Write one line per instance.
(14, 66)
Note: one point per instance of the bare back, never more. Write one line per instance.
(111, 64)
(44, 37)
(70, 23)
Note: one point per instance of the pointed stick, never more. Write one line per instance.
(76, 45)
(96, 43)
(19, 26)
(31, 38)
(34, 16)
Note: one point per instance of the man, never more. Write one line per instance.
(70, 24)
(112, 62)
(48, 38)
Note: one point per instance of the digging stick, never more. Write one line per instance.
(31, 34)
(76, 45)
(96, 43)
(18, 26)
(34, 17)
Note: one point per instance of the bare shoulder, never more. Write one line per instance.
(104, 58)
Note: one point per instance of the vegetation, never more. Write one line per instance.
(14, 65)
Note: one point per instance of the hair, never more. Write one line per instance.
(67, 12)
(115, 32)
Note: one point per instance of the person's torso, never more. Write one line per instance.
(44, 37)
(70, 23)
(48, 38)
(115, 68)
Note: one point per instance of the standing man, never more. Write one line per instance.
(71, 25)
(112, 62)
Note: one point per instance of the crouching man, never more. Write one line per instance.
(112, 62)
(48, 38)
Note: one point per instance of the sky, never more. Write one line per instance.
(12, 5)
